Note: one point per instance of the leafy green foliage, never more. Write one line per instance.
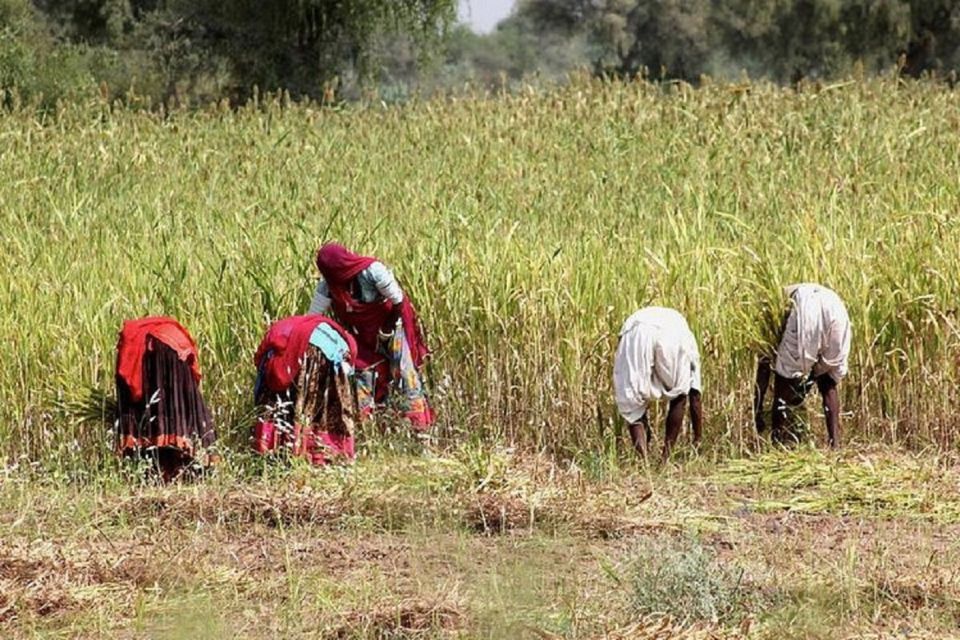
(33, 64)
(301, 46)
(204, 50)
(201, 51)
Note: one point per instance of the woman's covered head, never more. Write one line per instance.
(339, 265)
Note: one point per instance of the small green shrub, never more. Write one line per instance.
(684, 580)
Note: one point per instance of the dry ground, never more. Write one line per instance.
(488, 544)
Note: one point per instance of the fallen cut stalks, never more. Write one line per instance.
(809, 481)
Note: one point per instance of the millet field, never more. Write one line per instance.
(526, 227)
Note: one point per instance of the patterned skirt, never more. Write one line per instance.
(314, 418)
(395, 384)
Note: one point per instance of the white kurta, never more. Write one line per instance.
(817, 335)
(657, 358)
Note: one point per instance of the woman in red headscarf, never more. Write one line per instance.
(367, 299)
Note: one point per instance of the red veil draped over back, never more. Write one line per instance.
(286, 341)
(132, 347)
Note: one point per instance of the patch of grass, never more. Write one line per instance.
(406, 619)
(393, 546)
(807, 613)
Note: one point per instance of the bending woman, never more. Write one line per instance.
(367, 300)
(161, 414)
(303, 369)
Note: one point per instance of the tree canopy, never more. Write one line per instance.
(213, 48)
(779, 39)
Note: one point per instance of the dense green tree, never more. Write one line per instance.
(209, 48)
(300, 45)
(779, 39)
(935, 37)
(33, 64)
(670, 38)
(790, 39)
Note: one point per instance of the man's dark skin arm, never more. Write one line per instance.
(696, 416)
(831, 407)
(764, 366)
(787, 394)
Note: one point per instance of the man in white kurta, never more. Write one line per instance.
(657, 357)
(814, 346)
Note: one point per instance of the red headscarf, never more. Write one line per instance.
(339, 266)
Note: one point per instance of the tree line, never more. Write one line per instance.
(195, 51)
(780, 40)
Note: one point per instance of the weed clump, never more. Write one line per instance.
(685, 581)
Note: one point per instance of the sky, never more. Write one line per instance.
(483, 15)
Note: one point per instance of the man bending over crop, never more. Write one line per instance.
(812, 348)
(657, 357)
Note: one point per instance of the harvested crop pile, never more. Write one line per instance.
(235, 507)
(809, 481)
(498, 513)
(44, 579)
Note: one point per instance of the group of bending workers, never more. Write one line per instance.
(359, 350)
(657, 357)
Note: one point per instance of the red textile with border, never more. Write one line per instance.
(339, 266)
(334, 445)
(322, 447)
(132, 346)
(265, 436)
(319, 447)
(288, 339)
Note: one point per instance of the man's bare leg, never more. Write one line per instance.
(640, 435)
(696, 417)
(674, 424)
(831, 407)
